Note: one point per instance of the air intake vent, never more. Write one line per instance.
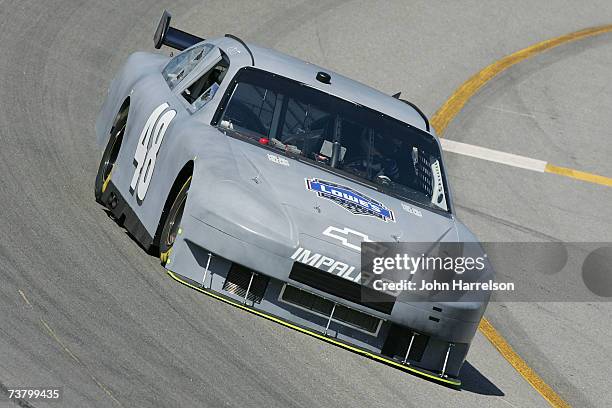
(398, 341)
(322, 306)
(343, 288)
(238, 279)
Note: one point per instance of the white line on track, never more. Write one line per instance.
(493, 155)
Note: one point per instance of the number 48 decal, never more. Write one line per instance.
(153, 134)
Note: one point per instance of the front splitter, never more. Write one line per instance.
(449, 381)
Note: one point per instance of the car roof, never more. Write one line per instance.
(305, 72)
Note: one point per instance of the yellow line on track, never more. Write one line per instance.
(55, 337)
(521, 162)
(76, 359)
(462, 95)
(449, 110)
(453, 105)
(520, 365)
(578, 175)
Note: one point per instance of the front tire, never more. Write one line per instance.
(172, 221)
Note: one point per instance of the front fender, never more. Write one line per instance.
(244, 212)
(228, 193)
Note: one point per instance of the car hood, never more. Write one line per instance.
(272, 201)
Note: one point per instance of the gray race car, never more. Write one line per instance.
(256, 176)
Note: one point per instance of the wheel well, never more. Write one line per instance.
(122, 115)
(181, 178)
(111, 150)
(123, 110)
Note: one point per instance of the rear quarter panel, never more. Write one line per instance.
(138, 65)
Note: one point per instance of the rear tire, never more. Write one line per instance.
(105, 169)
(171, 222)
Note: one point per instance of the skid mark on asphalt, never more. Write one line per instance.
(502, 110)
(508, 223)
(449, 110)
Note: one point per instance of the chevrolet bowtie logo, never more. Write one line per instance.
(348, 237)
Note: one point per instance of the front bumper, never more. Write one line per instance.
(421, 372)
(411, 337)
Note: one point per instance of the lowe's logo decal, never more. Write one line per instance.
(353, 201)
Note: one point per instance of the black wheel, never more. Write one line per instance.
(110, 154)
(171, 222)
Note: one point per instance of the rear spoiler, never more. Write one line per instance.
(173, 37)
(180, 40)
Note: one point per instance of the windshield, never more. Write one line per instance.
(342, 136)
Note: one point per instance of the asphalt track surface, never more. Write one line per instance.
(82, 307)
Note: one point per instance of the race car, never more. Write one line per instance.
(256, 176)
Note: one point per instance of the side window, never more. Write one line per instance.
(204, 88)
(181, 65)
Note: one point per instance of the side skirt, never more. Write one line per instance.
(120, 210)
